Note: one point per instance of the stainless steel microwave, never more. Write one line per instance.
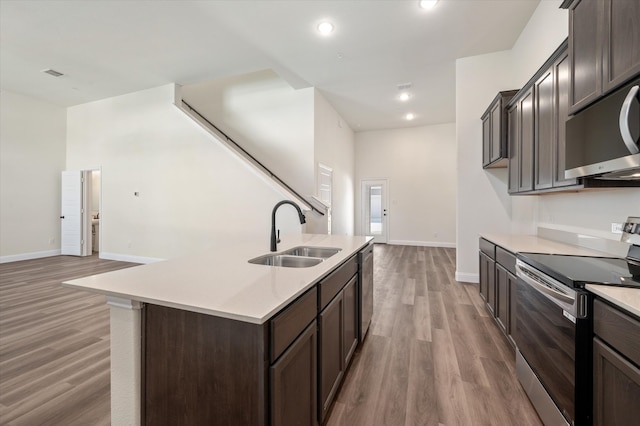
(602, 141)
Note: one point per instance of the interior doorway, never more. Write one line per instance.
(81, 212)
(375, 218)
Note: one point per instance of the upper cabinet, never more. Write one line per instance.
(604, 47)
(494, 131)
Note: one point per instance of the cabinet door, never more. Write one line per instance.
(620, 42)
(561, 79)
(585, 53)
(616, 388)
(497, 151)
(525, 148)
(502, 297)
(350, 332)
(486, 139)
(544, 130)
(487, 281)
(294, 383)
(331, 353)
(511, 327)
(514, 142)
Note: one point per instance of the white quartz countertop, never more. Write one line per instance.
(518, 243)
(624, 297)
(222, 282)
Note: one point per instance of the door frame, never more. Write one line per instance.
(86, 194)
(384, 238)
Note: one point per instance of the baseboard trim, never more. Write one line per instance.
(465, 277)
(29, 256)
(421, 243)
(129, 258)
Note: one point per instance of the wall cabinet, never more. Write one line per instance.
(521, 132)
(604, 47)
(616, 370)
(494, 131)
(536, 129)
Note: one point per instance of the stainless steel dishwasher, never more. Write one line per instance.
(365, 288)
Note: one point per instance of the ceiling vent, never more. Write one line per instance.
(53, 72)
(404, 86)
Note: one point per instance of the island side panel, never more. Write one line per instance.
(201, 369)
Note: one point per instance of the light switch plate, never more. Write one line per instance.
(616, 228)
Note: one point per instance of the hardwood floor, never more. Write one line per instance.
(433, 355)
(54, 343)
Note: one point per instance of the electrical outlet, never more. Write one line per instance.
(616, 228)
(52, 241)
(129, 244)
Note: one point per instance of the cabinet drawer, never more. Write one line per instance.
(506, 259)
(488, 248)
(332, 285)
(618, 329)
(289, 323)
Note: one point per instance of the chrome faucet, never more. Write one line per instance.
(275, 240)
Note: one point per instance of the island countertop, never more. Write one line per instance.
(222, 282)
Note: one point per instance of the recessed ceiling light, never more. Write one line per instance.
(409, 117)
(404, 96)
(428, 4)
(325, 28)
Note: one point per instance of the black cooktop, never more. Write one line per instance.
(576, 271)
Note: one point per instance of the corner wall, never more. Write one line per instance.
(32, 157)
(334, 146)
(420, 165)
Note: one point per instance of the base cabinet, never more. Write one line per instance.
(293, 382)
(616, 388)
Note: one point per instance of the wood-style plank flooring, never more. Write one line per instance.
(54, 343)
(433, 356)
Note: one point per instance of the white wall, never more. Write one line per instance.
(267, 117)
(335, 148)
(420, 165)
(32, 156)
(193, 192)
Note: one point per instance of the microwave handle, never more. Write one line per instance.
(631, 144)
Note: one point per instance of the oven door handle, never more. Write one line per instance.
(523, 273)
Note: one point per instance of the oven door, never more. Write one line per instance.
(545, 336)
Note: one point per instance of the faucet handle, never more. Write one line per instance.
(278, 239)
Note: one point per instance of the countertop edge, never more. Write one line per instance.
(618, 296)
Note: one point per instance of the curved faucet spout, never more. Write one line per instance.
(275, 240)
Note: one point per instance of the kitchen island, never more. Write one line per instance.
(235, 322)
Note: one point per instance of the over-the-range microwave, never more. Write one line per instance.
(602, 141)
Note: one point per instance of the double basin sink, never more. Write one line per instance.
(297, 257)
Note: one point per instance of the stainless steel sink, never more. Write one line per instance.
(310, 251)
(287, 261)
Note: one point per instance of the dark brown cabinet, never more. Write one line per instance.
(498, 283)
(331, 325)
(293, 382)
(536, 129)
(604, 47)
(521, 133)
(494, 131)
(338, 337)
(205, 369)
(616, 370)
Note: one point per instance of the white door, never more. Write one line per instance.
(375, 220)
(71, 217)
(325, 188)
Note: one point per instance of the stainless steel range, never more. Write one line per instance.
(554, 326)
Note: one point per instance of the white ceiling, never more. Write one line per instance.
(108, 48)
